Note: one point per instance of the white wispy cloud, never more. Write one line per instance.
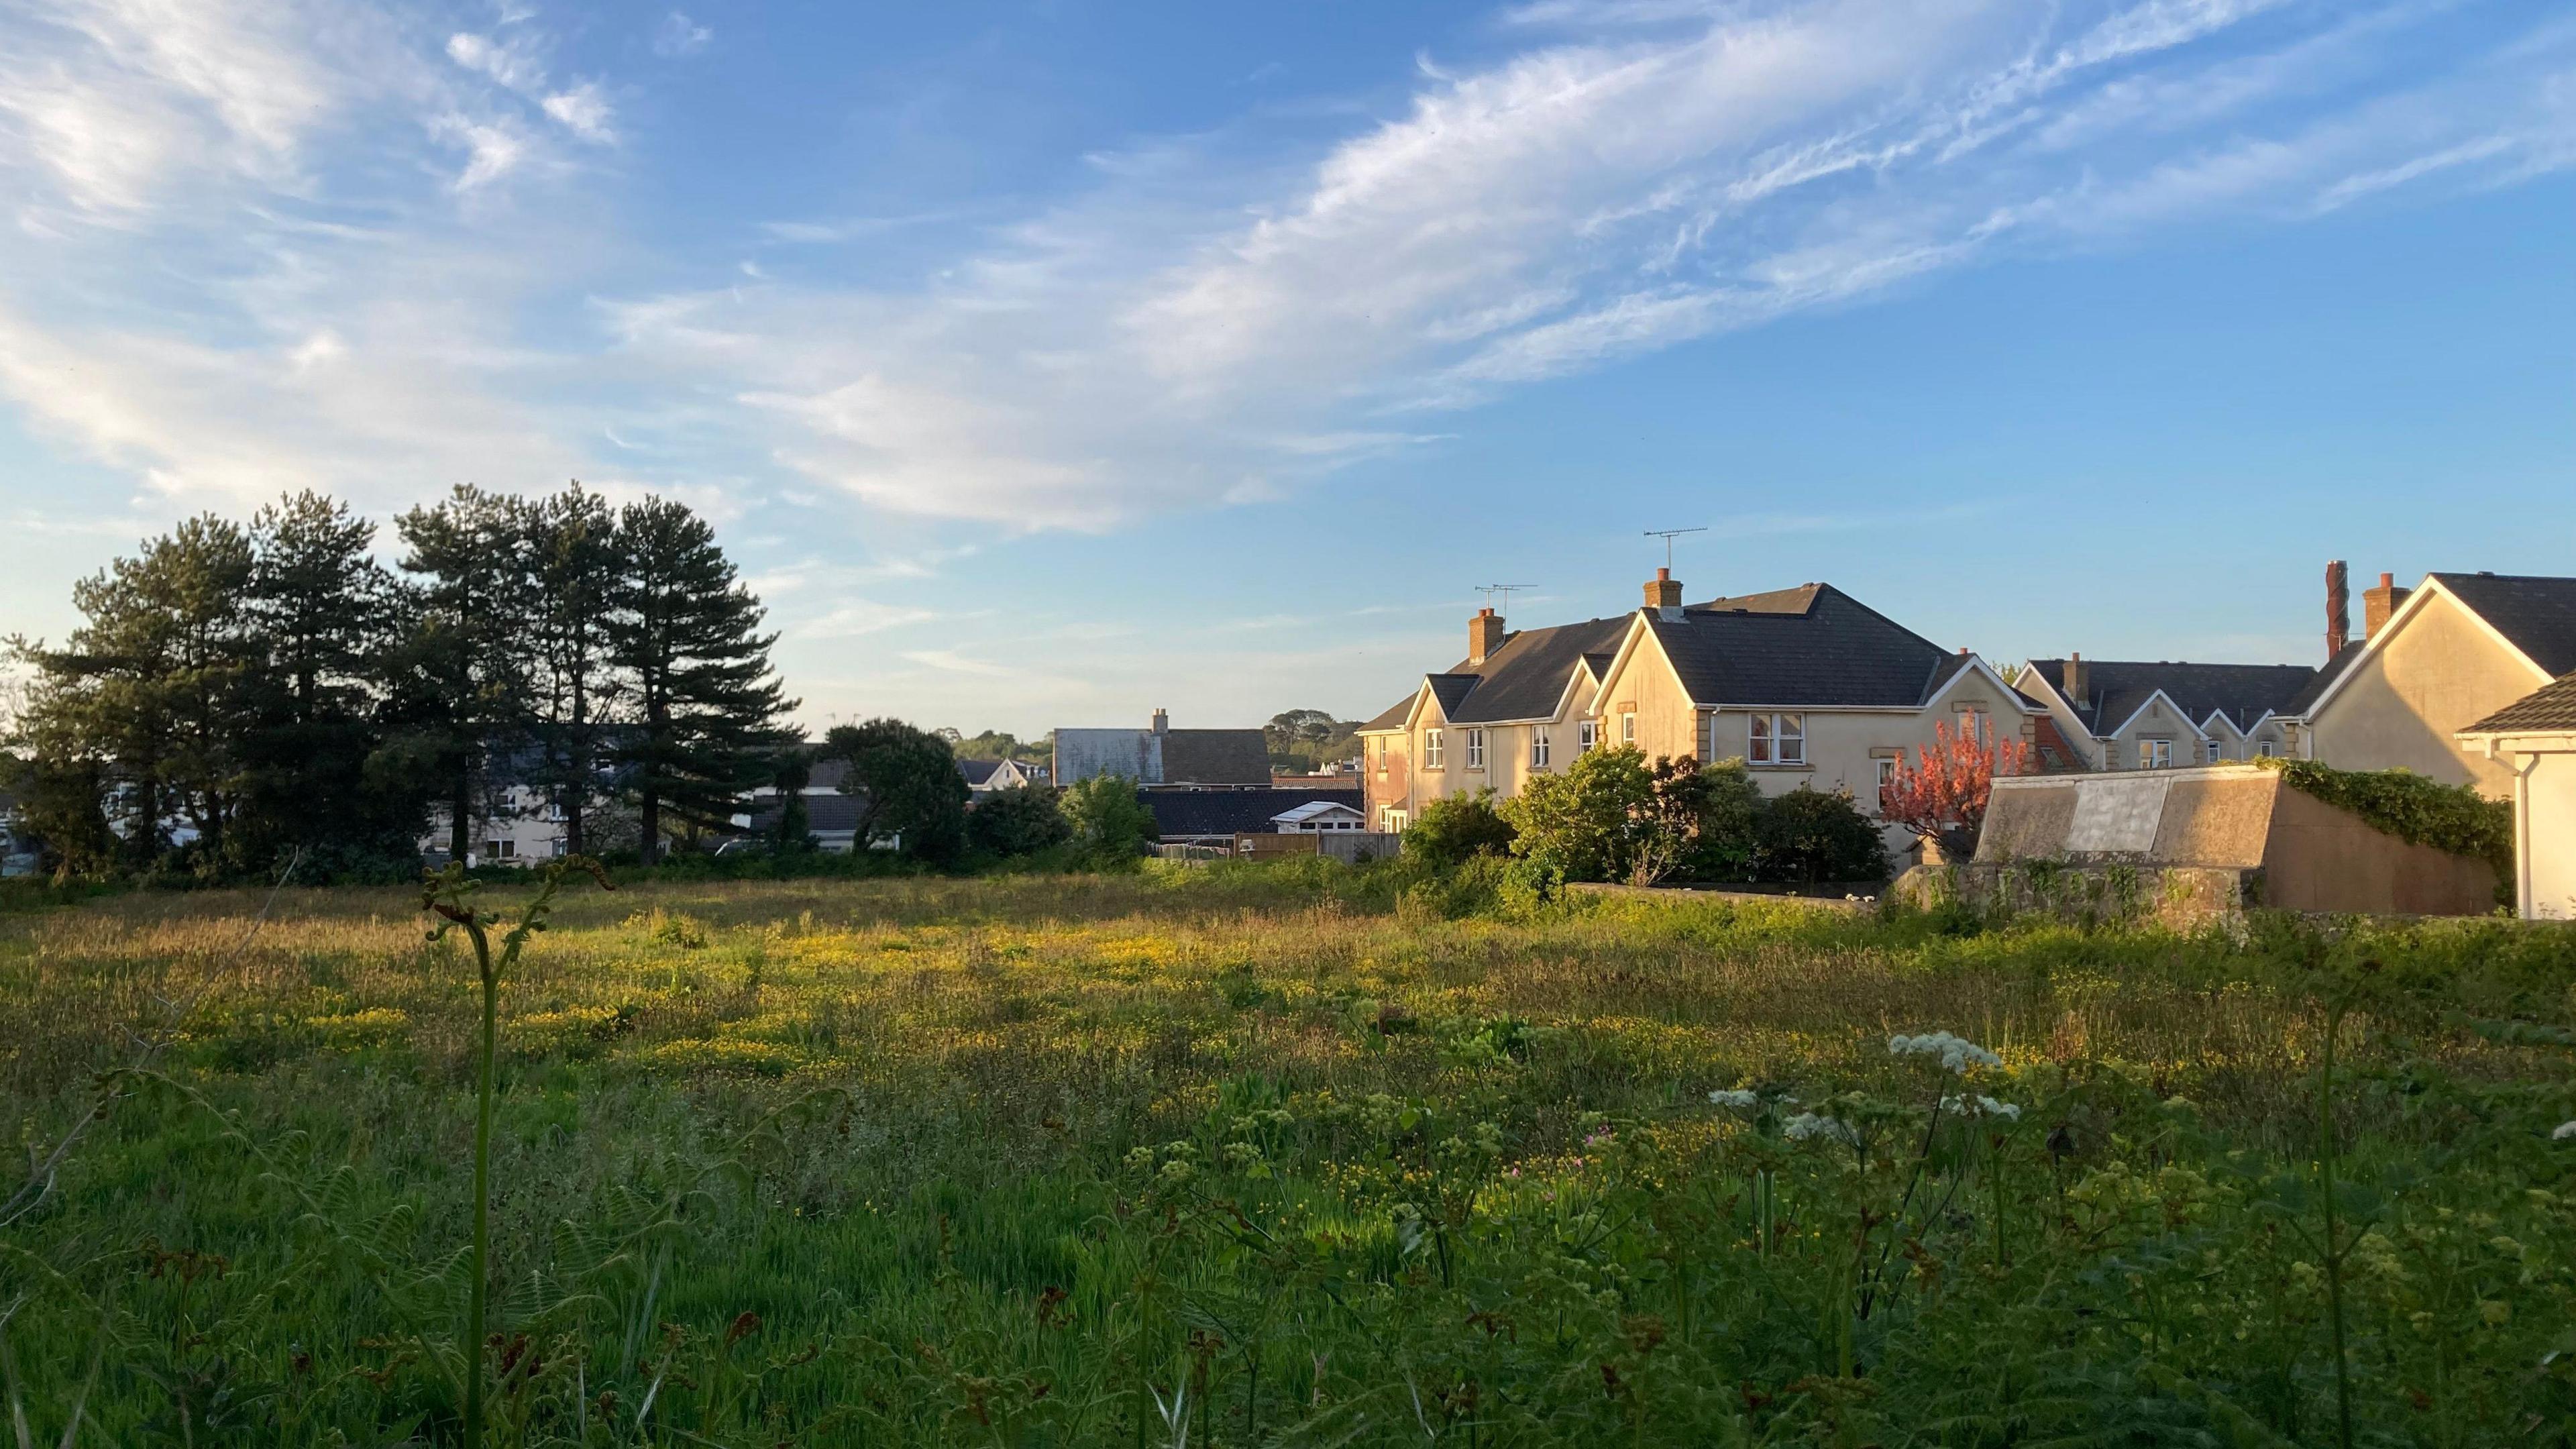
(678, 35)
(1199, 320)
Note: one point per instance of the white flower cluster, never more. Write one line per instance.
(1956, 1053)
(1808, 1124)
(1981, 1106)
(1739, 1097)
(2562, 1131)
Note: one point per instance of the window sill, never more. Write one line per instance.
(1800, 767)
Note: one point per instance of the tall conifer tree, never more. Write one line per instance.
(707, 705)
(463, 690)
(576, 564)
(324, 615)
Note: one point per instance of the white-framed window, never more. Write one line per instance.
(1396, 820)
(1586, 735)
(1777, 739)
(1385, 747)
(1628, 727)
(1475, 749)
(2263, 751)
(1886, 772)
(2217, 751)
(1538, 748)
(563, 847)
(1431, 749)
(500, 849)
(1977, 725)
(2155, 754)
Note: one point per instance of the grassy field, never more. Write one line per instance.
(1236, 1157)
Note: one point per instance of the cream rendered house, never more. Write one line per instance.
(2108, 714)
(1806, 685)
(2438, 659)
(2535, 738)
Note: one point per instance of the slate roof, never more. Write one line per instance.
(1215, 757)
(1811, 645)
(2297, 705)
(1521, 680)
(824, 814)
(2536, 612)
(2116, 689)
(2550, 709)
(977, 771)
(1179, 814)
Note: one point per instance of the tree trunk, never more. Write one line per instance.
(651, 811)
(578, 791)
(460, 824)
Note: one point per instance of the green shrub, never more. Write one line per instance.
(1017, 822)
(1455, 829)
(1108, 820)
(1809, 835)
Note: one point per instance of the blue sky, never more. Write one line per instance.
(1044, 363)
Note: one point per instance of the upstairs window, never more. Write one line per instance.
(1475, 749)
(1431, 749)
(1586, 735)
(2155, 754)
(2263, 751)
(1628, 728)
(1777, 739)
(1538, 748)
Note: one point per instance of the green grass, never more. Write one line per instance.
(1281, 1156)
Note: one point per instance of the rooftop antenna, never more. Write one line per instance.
(1668, 535)
(1501, 594)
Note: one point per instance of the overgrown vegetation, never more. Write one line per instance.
(1614, 816)
(2455, 818)
(1242, 1155)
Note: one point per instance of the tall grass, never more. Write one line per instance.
(1279, 1157)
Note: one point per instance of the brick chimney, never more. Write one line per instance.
(2380, 604)
(2338, 609)
(1162, 722)
(1664, 594)
(2076, 680)
(1484, 635)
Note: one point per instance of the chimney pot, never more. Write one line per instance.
(2381, 604)
(1162, 722)
(1484, 635)
(1664, 594)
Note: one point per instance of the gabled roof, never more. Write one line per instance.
(2297, 705)
(2116, 689)
(1312, 808)
(1811, 645)
(1393, 716)
(2535, 613)
(1524, 679)
(2550, 709)
(977, 771)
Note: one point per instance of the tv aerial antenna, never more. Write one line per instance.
(1501, 594)
(1668, 535)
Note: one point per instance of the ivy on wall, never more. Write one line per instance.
(2455, 818)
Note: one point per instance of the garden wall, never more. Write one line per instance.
(2181, 845)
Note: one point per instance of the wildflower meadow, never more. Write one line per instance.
(1275, 1155)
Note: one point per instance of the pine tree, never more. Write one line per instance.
(145, 700)
(462, 682)
(576, 561)
(706, 703)
(323, 615)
